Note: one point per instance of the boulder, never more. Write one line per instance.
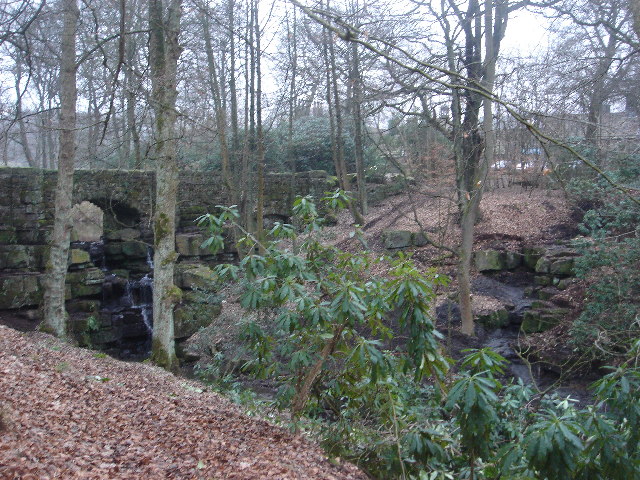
(490, 260)
(512, 260)
(496, 319)
(542, 319)
(542, 280)
(531, 255)
(543, 265)
(397, 238)
(563, 266)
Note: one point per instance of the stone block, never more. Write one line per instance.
(113, 249)
(104, 336)
(532, 322)
(547, 293)
(80, 290)
(78, 257)
(19, 290)
(88, 306)
(123, 235)
(7, 235)
(531, 255)
(89, 276)
(134, 249)
(15, 257)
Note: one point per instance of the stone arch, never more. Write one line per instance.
(119, 215)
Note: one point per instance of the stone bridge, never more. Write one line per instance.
(106, 292)
(126, 198)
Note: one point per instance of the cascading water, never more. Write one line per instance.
(127, 303)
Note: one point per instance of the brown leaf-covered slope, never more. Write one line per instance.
(67, 413)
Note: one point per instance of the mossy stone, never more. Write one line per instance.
(78, 257)
(496, 319)
(490, 260)
(563, 267)
(543, 265)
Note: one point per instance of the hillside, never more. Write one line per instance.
(72, 413)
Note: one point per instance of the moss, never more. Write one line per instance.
(171, 258)
(173, 295)
(161, 228)
(162, 358)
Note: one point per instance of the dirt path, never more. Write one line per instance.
(70, 413)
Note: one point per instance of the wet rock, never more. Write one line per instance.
(134, 249)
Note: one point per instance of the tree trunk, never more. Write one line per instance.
(24, 139)
(164, 52)
(259, 153)
(357, 120)
(221, 124)
(55, 314)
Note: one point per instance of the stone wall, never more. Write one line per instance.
(126, 199)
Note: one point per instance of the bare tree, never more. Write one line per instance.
(55, 315)
(164, 51)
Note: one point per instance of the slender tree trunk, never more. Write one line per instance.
(357, 120)
(55, 314)
(164, 52)
(221, 123)
(235, 137)
(259, 153)
(292, 50)
(24, 139)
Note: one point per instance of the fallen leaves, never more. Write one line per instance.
(99, 418)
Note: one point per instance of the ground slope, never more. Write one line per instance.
(71, 413)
